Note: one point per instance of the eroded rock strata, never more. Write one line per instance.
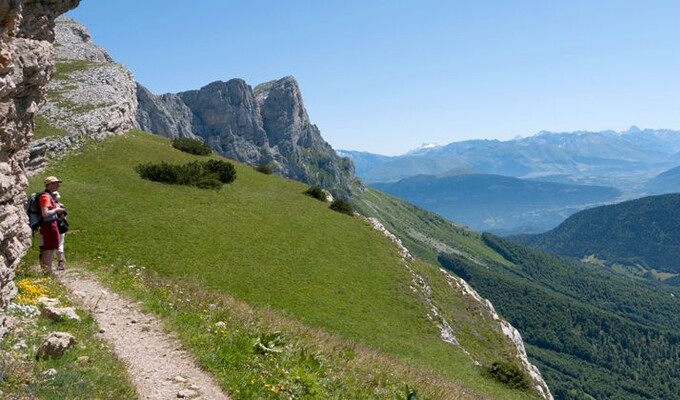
(26, 66)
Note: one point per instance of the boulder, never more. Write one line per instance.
(55, 345)
(59, 314)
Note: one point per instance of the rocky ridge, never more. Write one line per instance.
(265, 125)
(26, 66)
(420, 285)
(89, 97)
(92, 97)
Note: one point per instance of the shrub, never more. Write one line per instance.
(224, 170)
(162, 172)
(316, 192)
(342, 206)
(209, 174)
(192, 146)
(509, 374)
(265, 169)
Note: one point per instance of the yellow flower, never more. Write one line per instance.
(30, 290)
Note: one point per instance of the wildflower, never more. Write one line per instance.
(30, 290)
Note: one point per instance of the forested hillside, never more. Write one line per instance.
(643, 232)
(593, 333)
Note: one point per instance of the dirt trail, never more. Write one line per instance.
(157, 364)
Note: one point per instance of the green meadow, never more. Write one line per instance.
(270, 258)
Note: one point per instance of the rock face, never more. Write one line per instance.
(90, 95)
(26, 62)
(265, 125)
(55, 345)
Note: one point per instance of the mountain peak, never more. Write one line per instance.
(265, 125)
(633, 129)
(423, 148)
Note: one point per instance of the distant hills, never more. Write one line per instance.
(642, 233)
(665, 182)
(625, 160)
(498, 203)
(485, 183)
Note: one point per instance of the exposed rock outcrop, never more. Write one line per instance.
(26, 62)
(55, 345)
(164, 115)
(58, 314)
(265, 125)
(459, 285)
(90, 95)
(508, 330)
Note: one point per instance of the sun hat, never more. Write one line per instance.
(51, 179)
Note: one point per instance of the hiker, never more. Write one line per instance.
(49, 229)
(62, 224)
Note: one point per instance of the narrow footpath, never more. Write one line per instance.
(157, 364)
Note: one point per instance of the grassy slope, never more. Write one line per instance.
(423, 232)
(263, 242)
(555, 305)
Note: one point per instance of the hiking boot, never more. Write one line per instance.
(60, 265)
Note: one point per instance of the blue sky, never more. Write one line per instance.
(386, 76)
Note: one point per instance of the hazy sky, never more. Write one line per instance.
(386, 76)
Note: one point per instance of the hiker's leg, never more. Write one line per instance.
(40, 238)
(60, 254)
(46, 262)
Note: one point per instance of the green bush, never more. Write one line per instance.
(342, 206)
(265, 169)
(209, 174)
(163, 172)
(316, 192)
(224, 170)
(192, 146)
(509, 374)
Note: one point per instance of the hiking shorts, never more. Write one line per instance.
(50, 235)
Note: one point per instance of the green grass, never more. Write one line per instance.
(100, 376)
(43, 129)
(260, 241)
(424, 233)
(64, 68)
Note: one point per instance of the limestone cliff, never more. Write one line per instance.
(26, 65)
(90, 95)
(265, 125)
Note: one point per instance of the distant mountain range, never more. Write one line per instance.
(497, 203)
(485, 184)
(625, 160)
(641, 235)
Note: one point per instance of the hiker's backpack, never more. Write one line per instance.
(35, 218)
